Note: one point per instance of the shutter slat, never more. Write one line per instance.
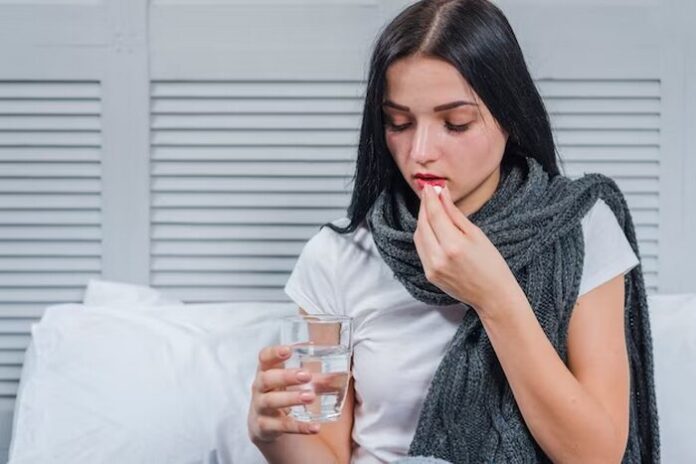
(201, 295)
(254, 153)
(11, 357)
(168, 280)
(29, 154)
(247, 168)
(43, 232)
(248, 137)
(45, 90)
(232, 232)
(255, 106)
(228, 248)
(32, 248)
(608, 137)
(46, 279)
(611, 89)
(48, 139)
(259, 263)
(48, 185)
(643, 200)
(605, 121)
(647, 232)
(254, 121)
(44, 106)
(10, 372)
(244, 216)
(9, 387)
(58, 264)
(609, 153)
(48, 296)
(250, 184)
(602, 106)
(227, 200)
(15, 325)
(269, 89)
(15, 309)
(616, 170)
(51, 217)
(51, 201)
(14, 342)
(53, 123)
(46, 169)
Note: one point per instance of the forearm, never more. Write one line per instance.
(567, 422)
(297, 449)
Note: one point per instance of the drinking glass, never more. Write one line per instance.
(321, 345)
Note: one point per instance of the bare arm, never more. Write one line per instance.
(332, 444)
(280, 438)
(577, 413)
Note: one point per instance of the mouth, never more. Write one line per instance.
(421, 182)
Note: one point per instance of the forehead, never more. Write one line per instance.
(430, 80)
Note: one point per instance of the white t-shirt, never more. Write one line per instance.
(398, 340)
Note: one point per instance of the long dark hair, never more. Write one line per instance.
(475, 37)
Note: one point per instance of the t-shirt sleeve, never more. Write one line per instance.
(312, 283)
(607, 250)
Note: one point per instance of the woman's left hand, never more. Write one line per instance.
(457, 256)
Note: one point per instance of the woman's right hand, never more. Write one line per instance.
(270, 402)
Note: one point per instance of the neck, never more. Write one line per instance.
(483, 192)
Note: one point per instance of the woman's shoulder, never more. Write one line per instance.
(607, 250)
(600, 217)
(326, 240)
(599, 213)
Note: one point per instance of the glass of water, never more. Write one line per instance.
(321, 345)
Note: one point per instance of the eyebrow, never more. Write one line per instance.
(446, 106)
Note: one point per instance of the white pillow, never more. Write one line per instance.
(673, 326)
(108, 293)
(113, 385)
(101, 293)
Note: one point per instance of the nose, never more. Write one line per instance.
(423, 148)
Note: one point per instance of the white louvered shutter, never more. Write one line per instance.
(59, 106)
(252, 148)
(50, 179)
(613, 127)
(600, 76)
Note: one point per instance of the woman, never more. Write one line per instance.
(501, 320)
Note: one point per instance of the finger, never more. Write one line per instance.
(444, 230)
(272, 401)
(272, 356)
(286, 424)
(426, 243)
(458, 218)
(273, 379)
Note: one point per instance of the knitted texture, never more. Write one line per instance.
(534, 220)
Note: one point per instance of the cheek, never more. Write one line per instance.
(481, 151)
(396, 147)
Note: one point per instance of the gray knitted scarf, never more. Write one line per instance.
(534, 220)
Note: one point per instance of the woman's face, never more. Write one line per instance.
(461, 143)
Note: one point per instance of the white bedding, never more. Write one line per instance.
(170, 383)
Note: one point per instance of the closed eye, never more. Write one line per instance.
(450, 127)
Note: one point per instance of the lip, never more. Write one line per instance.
(421, 182)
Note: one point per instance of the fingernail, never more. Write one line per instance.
(437, 189)
(307, 396)
(314, 428)
(303, 376)
(284, 351)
